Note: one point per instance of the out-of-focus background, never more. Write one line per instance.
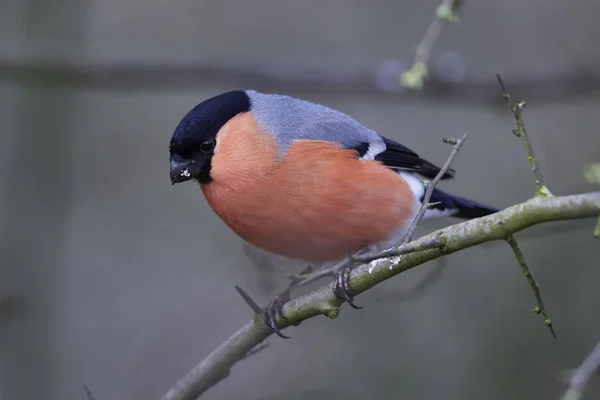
(111, 277)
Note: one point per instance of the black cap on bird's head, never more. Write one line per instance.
(193, 142)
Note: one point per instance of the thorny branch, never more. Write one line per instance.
(581, 375)
(542, 191)
(415, 77)
(539, 308)
(457, 237)
(521, 132)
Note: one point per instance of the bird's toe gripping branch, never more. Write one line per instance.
(275, 309)
(341, 286)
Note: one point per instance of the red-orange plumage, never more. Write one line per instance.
(318, 203)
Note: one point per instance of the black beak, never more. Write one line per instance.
(182, 171)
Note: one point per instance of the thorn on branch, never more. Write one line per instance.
(539, 308)
(521, 132)
(276, 307)
(253, 305)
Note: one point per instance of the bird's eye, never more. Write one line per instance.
(207, 145)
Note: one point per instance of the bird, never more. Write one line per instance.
(305, 181)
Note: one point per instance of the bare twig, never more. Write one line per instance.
(582, 375)
(541, 191)
(415, 77)
(597, 229)
(521, 132)
(431, 186)
(539, 308)
(322, 301)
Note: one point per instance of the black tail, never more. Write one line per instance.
(466, 209)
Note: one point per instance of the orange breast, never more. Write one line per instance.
(319, 203)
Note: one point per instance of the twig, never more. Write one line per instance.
(539, 308)
(431, 186)
(521, 132)
(582, 375)
(322, 301)
(415, 77)
(597, 229)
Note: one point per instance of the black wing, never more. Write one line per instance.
(400, 157)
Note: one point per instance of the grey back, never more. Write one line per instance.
(291, 119)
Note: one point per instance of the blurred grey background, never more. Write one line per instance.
(111, 277)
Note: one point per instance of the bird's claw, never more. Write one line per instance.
(342, 289)
(275, 309)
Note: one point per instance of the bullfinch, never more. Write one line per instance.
(303, 180)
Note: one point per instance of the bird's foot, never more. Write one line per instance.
(275, 309)
(341, 285)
